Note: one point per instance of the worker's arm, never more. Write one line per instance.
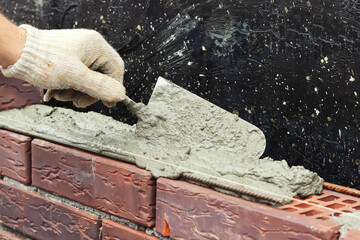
(75, 65)
(12, 42)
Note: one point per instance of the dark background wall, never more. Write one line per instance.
(289, 67)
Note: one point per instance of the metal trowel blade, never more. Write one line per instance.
(214, 126)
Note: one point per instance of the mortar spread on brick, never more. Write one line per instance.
(148, 140)
(348, 222)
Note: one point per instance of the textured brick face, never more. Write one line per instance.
(187, 211)
(115, 231)
(15, 93)
(118, 188)
(41, 218)
(15, 156)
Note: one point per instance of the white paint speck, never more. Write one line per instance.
(352, 79)
(324, 60)
(179, 53)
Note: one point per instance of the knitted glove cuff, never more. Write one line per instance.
(27, 67)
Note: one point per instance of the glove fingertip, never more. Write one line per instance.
(115, 93)
(109, 104)
(82, 100)
(122, 92)
(80, 105)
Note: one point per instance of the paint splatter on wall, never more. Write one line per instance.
(289, 67)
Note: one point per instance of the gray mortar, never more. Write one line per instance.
(348, 221)
(176, 133)
(87, 209)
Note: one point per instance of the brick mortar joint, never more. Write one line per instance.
(100, 214)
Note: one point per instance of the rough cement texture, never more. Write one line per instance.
(171, 137)
(113, 230)
(349, 221)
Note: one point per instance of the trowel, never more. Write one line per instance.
(201, 121)
(203, 126)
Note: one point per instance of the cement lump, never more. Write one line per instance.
(169, 143)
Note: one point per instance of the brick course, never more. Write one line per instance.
(115, 231)
(15, 156)
(188, 211)
(111, 186)
(332, 201)
(41, 218)
(183, 211)
(16, 93)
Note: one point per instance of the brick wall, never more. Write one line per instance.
(70, 194)
(73, 194)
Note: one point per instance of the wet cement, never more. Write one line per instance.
(175, 134)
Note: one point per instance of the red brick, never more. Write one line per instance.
(352, 235)
(118, 188)
(15, 93)
(15, 156)
(8, 236)
(41, 218)
(115, 231)
(333, 201)
(188, 211)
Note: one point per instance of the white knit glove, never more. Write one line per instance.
(75, 65)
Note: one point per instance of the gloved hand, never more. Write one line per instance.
(75, 65)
